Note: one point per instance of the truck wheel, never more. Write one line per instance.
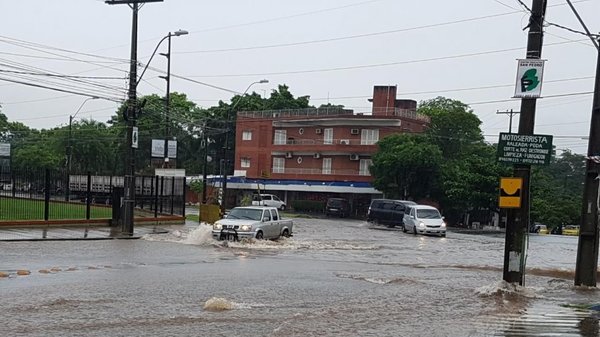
(403, 228)
(415, 230)
(286, 233)
(282, 208)
(259, 235)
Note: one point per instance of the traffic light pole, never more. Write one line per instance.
(518, 219)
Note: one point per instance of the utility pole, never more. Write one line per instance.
(510, 113)
(130, 117)
(518, 218)
(586, 269)
(205, 164)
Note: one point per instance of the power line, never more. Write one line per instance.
(57, 89)
(365, 66)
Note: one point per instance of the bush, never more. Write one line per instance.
(308, 206)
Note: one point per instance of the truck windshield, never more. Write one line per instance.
(245, 213)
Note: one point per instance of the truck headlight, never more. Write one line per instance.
(217, 226)
(421, 224)
(443, 224)
(245, 228)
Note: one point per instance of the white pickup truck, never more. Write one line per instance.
(248, 222)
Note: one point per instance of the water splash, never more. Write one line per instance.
(503, 288)
(222, 304)
(201, 235)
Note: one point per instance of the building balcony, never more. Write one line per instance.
(340, 145)
(317, 174)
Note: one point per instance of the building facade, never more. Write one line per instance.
(318, 153)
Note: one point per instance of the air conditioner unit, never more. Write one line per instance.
(345, 141)
(318, 131)
(354, 157)
(288, 155)
(317, 156)
(354, 131)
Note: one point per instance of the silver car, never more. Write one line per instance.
(424, 219)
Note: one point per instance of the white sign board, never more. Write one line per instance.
(134, 137)
(158, 148)
(4, 150)
(529, 78)
(172, 149)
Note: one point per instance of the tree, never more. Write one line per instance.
(406, 166)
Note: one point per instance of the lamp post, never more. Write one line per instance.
(226, 145)
(70, 147)
(168, 95)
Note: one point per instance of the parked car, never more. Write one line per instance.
(539, 229)
(257, 222)
(270, 200)
(337, 206)
(572, 230)
(424, 219)
(387, 211)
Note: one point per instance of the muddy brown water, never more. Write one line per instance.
(333, 278)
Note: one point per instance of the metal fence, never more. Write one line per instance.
(56, 195)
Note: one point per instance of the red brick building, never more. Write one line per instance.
(316, 150)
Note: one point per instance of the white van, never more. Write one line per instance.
(270, 200)
(424, 220)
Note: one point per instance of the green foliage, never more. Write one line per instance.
(406, 166)
(308, 205)
(557, 189)
(196, 186)
(246, 200)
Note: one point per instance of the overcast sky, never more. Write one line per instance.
(334, 51)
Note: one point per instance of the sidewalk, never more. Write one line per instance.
(74, 233)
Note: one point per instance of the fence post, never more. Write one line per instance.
(88, 197)
(172, 193)
(162, 192)
(142, 201)
(47, 195)
(156, 197)
(12, 182)
(183, 200)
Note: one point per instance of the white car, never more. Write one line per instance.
(269, 200)
(424, 219)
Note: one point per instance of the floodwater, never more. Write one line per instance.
(332, 278)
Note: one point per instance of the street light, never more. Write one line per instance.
(168, 79)
(226, 147)
(70, 145)
(168, 95)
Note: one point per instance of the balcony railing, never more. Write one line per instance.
(404, 113)
(294, 141)
(333, 111)
(313, 112)
(317, 171)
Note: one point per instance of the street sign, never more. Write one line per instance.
(510, 192)
(515, 148)
(529, 78)
(134, 137)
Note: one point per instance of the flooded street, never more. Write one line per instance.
(332, 278)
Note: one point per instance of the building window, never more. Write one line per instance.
(369, 137)
(364, 167)
(247, 135)
(278, 165)
(280, 137)
(326, 166)
(245, 162)
(328, 136)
